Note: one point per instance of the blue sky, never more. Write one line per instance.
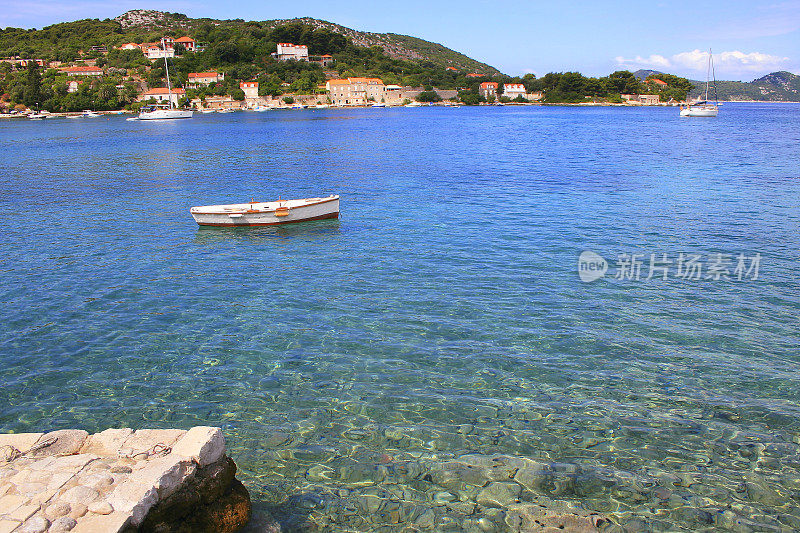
(749, 38)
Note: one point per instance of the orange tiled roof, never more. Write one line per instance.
(184, 40)
(203, 74)
(82, 69)
(658, 81)
(488, 84)
(163, 90)
(365, 80)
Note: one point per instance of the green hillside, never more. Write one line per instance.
(775, 87)
(65, 41)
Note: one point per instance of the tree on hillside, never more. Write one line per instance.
(32, 92)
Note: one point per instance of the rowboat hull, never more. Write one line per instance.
(267, 213)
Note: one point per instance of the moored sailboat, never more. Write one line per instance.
(161, 112)
(704, 108)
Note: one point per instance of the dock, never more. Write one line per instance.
(119, 480)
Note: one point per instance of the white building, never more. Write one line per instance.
(129, 46)
(488, 89)
(82, 70)
(72, 86)
(196, 79)
(286, 51)
(162, 95)
(250, 88)
(356, 91)
(514, 90)
(155, 52)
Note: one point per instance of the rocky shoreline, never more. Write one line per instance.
(120, 480)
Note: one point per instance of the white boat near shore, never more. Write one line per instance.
(267, 213)
(165, 111)
(704, 107)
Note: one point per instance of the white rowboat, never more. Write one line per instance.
(267, 213)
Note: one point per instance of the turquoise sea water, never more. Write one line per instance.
(348, 361)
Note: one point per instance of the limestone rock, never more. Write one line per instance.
(101, 508)
(20, 441)
(143, 440)
(80, 494)
(205, 445)
(36, 524)
(106, 442)
(56, 510)
(67, 442)
(165, 474)
(60, 525)
(133, 498)
(77, 510)
(210, 501)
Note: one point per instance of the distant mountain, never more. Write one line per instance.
(394, 45)
(642, 74)
(775, 87)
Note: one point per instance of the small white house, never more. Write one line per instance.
(514, 90)
(155, 52)
(250, 88)
(162, 95)
(488, 89)
(196, 79)
(287, 51)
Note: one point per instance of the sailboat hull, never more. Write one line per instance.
(699, 112)
(162, 114)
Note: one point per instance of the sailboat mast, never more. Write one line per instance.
(169, 86)
(708, 72)
(713, 76)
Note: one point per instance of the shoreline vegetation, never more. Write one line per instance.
(438, 104)
(111, 64)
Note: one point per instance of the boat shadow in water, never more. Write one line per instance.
(305, 230)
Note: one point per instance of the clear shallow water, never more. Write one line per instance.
(441, 315)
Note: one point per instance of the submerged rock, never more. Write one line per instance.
(499, 494)
(524, 518)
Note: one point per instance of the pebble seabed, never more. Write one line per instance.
(324, 475)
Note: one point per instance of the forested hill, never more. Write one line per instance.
(64, 41)
(400, 46)
(775, 87)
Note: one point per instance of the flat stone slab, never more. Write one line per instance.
(69, 480)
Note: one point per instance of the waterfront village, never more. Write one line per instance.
(335, 92)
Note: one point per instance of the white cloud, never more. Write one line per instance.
(653, 61)
(733, 63)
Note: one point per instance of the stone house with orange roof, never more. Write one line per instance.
(356, 91)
